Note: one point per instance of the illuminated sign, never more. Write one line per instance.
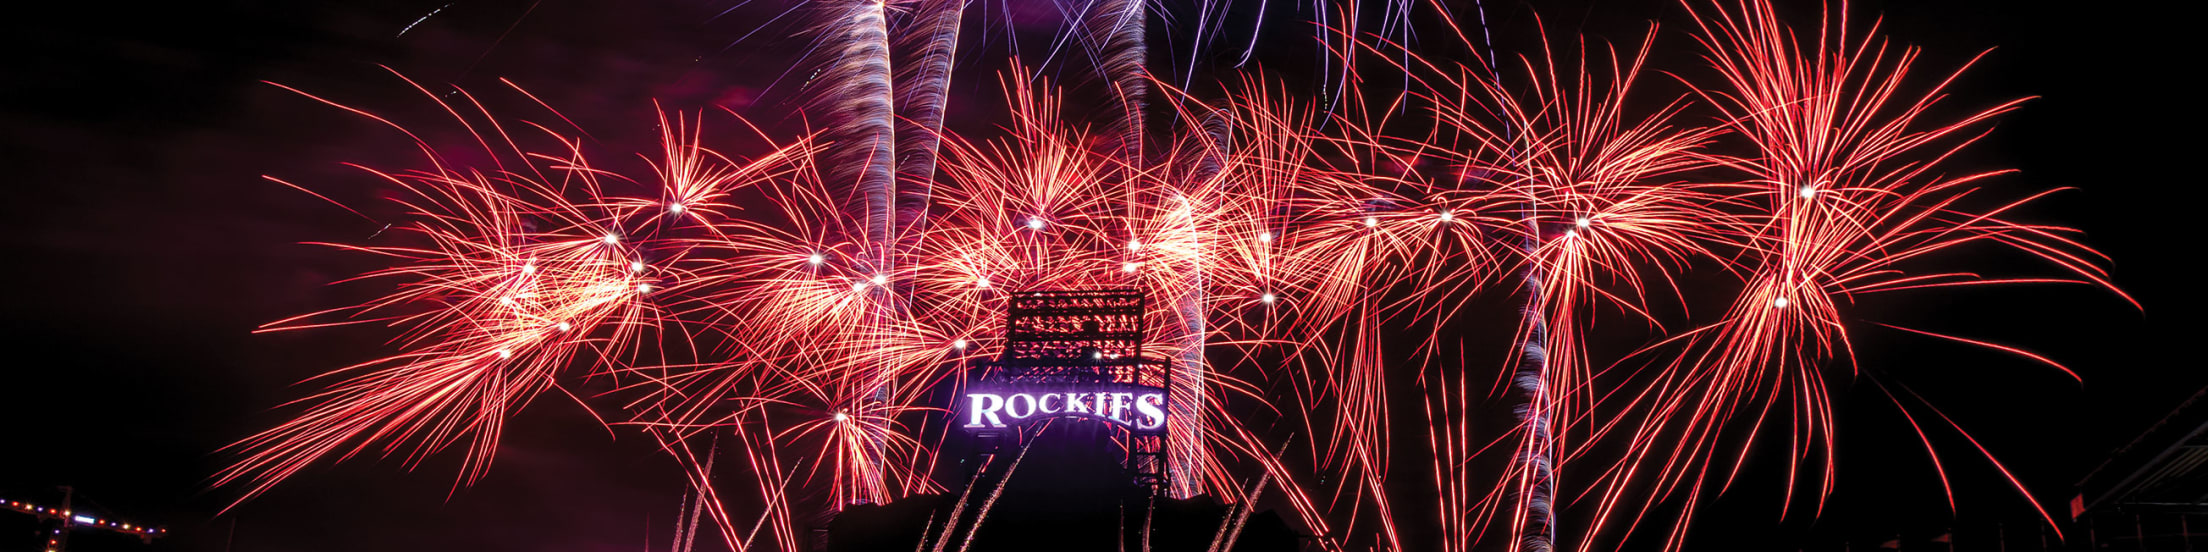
(1138, 408)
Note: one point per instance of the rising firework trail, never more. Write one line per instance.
(924, 90)
(1604, 210)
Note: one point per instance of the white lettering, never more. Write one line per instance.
(1142, 411)
(1013, 403)
(1149, 406)
(985, 404)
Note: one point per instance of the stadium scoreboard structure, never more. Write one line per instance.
(1077, 355)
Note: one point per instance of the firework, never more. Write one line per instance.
(1845, 194)
(791, 311)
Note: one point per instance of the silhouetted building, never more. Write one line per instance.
(2150, 494)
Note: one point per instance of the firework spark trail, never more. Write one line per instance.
(958, 510)
(425, 17)
(998, 491)
(686, 531)
(774, 483)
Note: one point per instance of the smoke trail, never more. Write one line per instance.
(1116, 33)
(1537, 520)
(923, 90)
(857, 93)
(1185, 445)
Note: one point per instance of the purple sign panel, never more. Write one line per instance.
(988, 406)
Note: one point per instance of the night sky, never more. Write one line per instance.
(141, 247)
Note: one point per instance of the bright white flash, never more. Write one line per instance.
(1266, 237)
(1583, 222)
(1268, 298)
(1034, 223)
(1779, 302)
(815, 259)
(611, 238)
(1809, 192)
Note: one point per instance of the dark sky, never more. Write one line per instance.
(142, 248)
